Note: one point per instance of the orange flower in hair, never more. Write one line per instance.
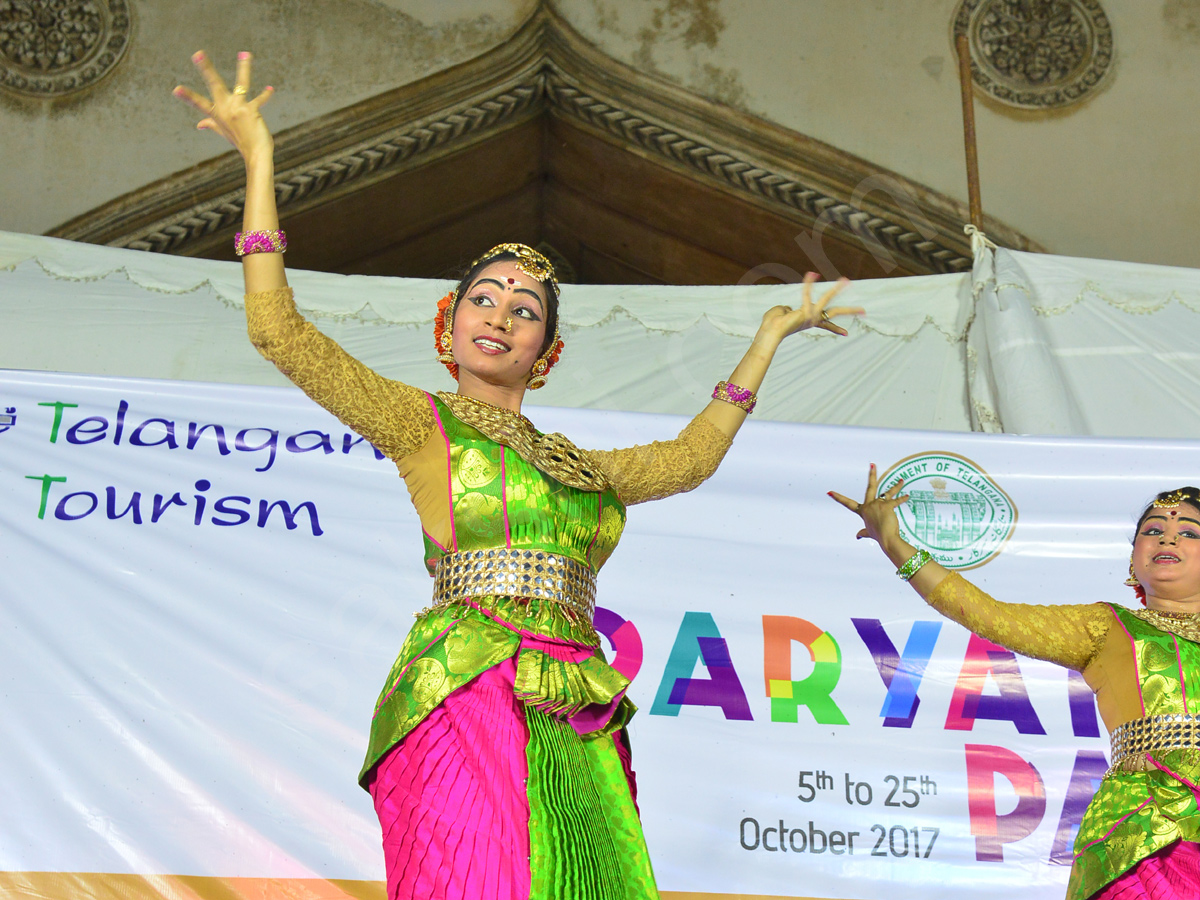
(554, 352)
(443, 318)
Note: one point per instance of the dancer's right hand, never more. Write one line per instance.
(228, 111)
(878, 513)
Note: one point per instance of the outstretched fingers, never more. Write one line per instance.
(872, 484)
(838, 287)
(241, 84)
(216, 84)
(264, 95)
(851, 505)
(818, 313)
(187, 95)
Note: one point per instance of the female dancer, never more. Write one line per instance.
(497, 761)
(1138, 836)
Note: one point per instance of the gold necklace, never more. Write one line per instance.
(1184, 625)
(551, 453)
(1171, 614)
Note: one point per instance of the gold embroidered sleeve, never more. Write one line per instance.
(1069, 635)
(662, 468)
(393, 416)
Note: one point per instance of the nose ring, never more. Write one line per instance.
(508, 323)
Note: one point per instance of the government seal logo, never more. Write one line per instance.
(956, 511)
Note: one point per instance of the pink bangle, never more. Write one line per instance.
(259, 242)
(740, 397)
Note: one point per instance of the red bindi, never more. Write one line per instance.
(1174, 512)
(512, 281)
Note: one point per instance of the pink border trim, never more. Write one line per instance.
(396, 684)
(434, 541)
(1175, 775)
(1182, 682)
(511, 626)
(1116, 825)
(504, 499)
(1133, 651)
(449, 471)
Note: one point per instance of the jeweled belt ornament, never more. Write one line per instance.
(1137, 737)
(503, 572)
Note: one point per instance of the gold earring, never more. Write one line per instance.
(537, 375)
(1132, 581)
(447, 343)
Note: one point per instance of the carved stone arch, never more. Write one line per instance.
(546, 140)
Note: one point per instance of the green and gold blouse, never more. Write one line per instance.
(1140, 663)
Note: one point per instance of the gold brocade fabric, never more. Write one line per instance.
(1070, 636)
(664, 468)
(393, 416)
(551, 453)
(563, 689)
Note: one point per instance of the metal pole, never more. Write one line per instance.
(968, 111)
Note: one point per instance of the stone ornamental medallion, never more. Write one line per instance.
(956, 511)
(1036, 54)
(50, 48)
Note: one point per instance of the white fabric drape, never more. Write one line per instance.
(1027, 343)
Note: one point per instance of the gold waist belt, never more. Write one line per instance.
(502, 572)
(1137, 737)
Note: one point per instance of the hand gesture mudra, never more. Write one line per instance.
(877, 512)
(785, 320)
(230, 112)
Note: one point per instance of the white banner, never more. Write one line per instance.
(204, 587)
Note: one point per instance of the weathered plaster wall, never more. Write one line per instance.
(66, 157)
(1116, 177)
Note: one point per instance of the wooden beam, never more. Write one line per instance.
(718, 222)
(445, 249)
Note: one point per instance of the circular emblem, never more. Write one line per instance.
(427, 677)
(1036, 54)
(49, 48)
(955, 511)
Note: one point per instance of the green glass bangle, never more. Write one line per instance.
(913, 564)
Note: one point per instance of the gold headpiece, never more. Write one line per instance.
(528, 260)
(1173, 499)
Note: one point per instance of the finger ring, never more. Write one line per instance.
(239, 89)
(824, 316)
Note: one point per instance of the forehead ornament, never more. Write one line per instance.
(528, 260)
(1170, 500)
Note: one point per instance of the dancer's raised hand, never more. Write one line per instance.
(230, 112)
(785, 320)
(877, 512)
